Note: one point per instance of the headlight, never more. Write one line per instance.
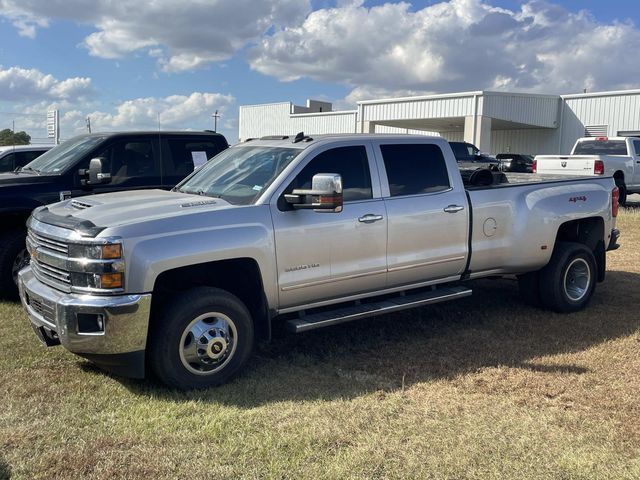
(107, 251)
(97, 267)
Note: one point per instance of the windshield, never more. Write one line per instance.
(65, 155)
(601, 147)
(239, 174)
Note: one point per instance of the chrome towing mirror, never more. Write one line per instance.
(325, 194)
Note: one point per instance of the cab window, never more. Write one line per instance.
(350, 162)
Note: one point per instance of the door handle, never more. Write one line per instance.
(453, 208)
(369, 218)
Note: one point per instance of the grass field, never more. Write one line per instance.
(484, 388)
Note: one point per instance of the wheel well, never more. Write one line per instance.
(619, 175)
(240, 277)
(589, 232)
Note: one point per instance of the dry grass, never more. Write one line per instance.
(483, 388)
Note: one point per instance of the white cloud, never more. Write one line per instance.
(184, 35)
(18, 84)
(458, 45)
(176, 112)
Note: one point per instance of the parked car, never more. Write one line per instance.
(610, 156)
(16, 156)
(300, 233)
(469, 154)
(90, 164)
(515, 162)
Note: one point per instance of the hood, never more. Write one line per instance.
(10, 179)
(122, 208)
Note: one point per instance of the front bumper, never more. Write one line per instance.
(120, 343)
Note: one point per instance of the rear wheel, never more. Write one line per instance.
(569, 279)
(202, 340)
(13, 258)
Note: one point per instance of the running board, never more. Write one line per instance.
(355, 312)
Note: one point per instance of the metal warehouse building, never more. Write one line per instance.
(496, 122)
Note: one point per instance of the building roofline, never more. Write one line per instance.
(332, 112)
(421, 97)
(602, 94)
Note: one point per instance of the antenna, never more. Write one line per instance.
(89, 124)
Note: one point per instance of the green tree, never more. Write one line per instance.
(9, 137)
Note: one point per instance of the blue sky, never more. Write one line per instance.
(126, 64)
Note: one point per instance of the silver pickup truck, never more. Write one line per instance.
(300, 233)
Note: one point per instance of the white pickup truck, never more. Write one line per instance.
(300, 233)
(618, 157)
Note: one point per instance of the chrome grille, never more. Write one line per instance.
(47, 273)
(47, 242)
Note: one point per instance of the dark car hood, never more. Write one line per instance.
(24, 178)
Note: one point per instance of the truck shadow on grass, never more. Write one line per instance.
(5, 469)
(493, 328)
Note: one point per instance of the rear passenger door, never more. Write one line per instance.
(183, 155)
(427, 217)
(636, 164)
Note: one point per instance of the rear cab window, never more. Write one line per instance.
(415, 169)
(601, 147)
(188, 154)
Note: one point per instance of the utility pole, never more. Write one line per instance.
(89, 124)
(215, 121)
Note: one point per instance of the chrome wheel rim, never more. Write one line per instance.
(21, 261)
(577, 279)
(208, 343)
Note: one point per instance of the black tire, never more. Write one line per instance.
(167, 343)
(622, 192)
(529, 288)
(569, 279)
(12, 250)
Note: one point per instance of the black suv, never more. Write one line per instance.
(90, 164)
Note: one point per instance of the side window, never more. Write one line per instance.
(414, 169)
(22, 158)
(350, 162)
(130, 159)
(188, 154)
(636, 146)
(7, 163)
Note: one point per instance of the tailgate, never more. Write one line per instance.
(567, 165)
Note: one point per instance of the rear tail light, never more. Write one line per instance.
(615, 197)
(534, 166)
(598, 167)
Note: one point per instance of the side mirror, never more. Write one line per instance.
(94, 173)
(325, 194)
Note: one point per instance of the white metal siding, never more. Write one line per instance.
(417, 109)
(538, 110)
(319, 123)
(276, 119)
(532, 141)
(620, 111)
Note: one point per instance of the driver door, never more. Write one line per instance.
(326, 255)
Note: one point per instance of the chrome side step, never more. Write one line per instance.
(355, 312)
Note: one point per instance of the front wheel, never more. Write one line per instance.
(202, 340)
(13, 258)
(569, 279)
